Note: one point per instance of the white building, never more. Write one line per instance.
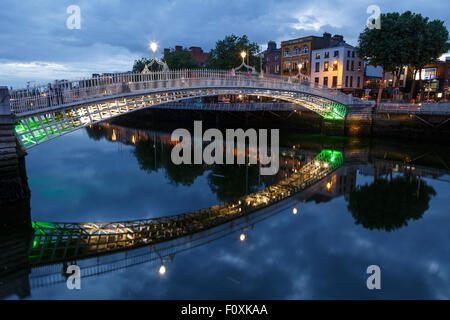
(338, 67)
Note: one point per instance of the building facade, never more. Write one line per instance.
(197, 53)
(296, 53)
(272, 56)
(338, 67)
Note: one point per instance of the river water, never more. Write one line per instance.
(387, 205)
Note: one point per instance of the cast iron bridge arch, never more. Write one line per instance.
(43, 113)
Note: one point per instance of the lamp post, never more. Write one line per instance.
(154, 48)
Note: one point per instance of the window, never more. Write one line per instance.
(318, 56)
(287, 52)
(276, 58)
(325, 81)
(353, 65)
(353, 54)
(335, 65)
(327, 54)
(336, 53)
(316, 80)
(317, 66)
(346, 81)
(359, 67)
(296, 51)
(348, 53)
(348, 64)
(325, 66)
(334, 83)
(358, 83)
(268, 59)
(351, 81)
(305, 49)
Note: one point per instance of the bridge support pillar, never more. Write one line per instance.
(13, 180)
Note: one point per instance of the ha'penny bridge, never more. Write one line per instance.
(44, 112)
(59, 242)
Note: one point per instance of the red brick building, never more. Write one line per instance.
(272, 57)
(197, 53)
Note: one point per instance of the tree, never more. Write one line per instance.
(181, 59)
(401, 40)
(227, 53)
(139, 65)
(431, 42)
(388, 205)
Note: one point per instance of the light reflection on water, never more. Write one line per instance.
(344, 224)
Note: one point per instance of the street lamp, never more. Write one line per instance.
(153, 47)
(243, 55)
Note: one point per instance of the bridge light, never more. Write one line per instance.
(294, 211)
(328, 186)
(243, 54)
(325, 164)
(242, 237)
(153, 46)
(317, 163)
(162, 270)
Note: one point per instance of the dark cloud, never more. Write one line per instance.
(114, 33)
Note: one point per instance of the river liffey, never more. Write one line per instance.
(385, 204)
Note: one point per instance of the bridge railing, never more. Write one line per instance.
(71, 92)
(420, 108)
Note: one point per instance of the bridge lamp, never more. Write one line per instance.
(294, 211)
(325, 164)
(242, 237)
(162, 270)
(328, 186)
(153, 47)
(317, 163)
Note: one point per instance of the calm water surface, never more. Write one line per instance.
(377, 209)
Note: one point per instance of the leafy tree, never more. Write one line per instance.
(227, 53)
(139, 65)
(181, 59)
(430, 43)
(403, 39)
(388, 205)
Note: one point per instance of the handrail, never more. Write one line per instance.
(69, 92)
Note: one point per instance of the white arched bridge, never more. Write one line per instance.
(45, 112)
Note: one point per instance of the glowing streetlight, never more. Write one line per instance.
(162, 270)
(242, 237)
(243, 55)
(294, 211)
(153, 47)
(328, 186)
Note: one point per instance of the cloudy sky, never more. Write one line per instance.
(36, 44)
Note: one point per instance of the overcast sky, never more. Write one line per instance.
(36, 45)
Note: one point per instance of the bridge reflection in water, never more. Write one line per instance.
(47, 248)
(65, 241)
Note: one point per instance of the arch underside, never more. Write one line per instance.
(33, 129)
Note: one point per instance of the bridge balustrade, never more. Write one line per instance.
(66, 93)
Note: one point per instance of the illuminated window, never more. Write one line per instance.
(318, 56)
(325, 66)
